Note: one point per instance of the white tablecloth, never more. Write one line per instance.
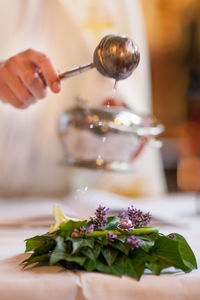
(34, 283)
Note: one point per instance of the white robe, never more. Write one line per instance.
(68, 31)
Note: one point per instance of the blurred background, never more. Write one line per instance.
(173, 36)
(173, 29)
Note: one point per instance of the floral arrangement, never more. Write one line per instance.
(118, 245)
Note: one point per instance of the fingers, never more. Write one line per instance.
(10, 97)
(24, 78)
(47, 68)
(32, 81)
(17, 87)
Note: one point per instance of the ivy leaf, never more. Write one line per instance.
(76, 259)
(129, 269)
(90, 265)
(121, 238)
(186, 252)
(78, 243)
(112, 223)
(151, 237)
(59, 252)
(109, 254)
(35, 242)
(156, 266)
(87, 252)
(138, 258)
(36, 259)
(167, 250)
(122, 247)
(70, 225)
(117, 268)
(147, 245)
(96, 250)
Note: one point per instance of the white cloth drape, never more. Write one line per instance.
(45, 282)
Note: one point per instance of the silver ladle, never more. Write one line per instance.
(115, 56)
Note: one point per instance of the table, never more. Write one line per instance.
(176, 211)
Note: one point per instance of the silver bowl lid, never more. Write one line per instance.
(110, 119)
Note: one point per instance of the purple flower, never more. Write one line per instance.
(125, 225)
(100, 217)
(137, 217)
(123, 214)
(90, 228)
(172, 236)
(75, 233)
(82, 231)
(146, 218)
(133, 242)
(111, 237)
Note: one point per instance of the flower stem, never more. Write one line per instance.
(136, 231)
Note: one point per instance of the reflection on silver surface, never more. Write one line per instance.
(116, 56)
(105, 138)
(115, 166)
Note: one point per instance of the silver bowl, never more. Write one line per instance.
(108, 138)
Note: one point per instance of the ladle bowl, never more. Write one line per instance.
(115, 56)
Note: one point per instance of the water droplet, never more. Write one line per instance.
(99, 161)
(91, 126)
(81, 191)
(115, 85)
(103, 139)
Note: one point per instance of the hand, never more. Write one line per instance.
(24, 78)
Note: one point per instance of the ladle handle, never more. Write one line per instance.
(76, 71)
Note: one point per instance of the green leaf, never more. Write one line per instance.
(148, 240)
(109, 254)
(121, 247)
(88, 253)
(156, 266)
(96, 250)
(117, 268)
(35, 242)
(167, 250)
(90, 265)
(70, 225)
(112, 223)
(36, 259)
(147, 245)
(46, 248)
(129, 269)
(186, 252)
(77, 259)
(121, 238)
(138, 258)
(78, 243)
(59, 252)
